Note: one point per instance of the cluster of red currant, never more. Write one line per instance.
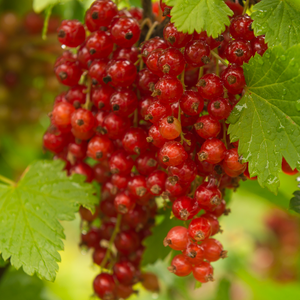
(155, 131)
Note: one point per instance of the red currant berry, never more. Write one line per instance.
(83, 169)
(115, 126)
(104, 286)
(68, 73)
(168, 89)
(207, 194)
(197, 53)
(194, 254)
(82, 120)
(156, 182)
(125, 31)
(102, 172)
(146, 163)
(151, 45)
(123, 102)
(238, 52)
(100, 96)
(172, 154)
(155, 137)
(169, 128)
(185, 208)
(171, 62)
(210, 86)
(100, 148)
(124, 203)
(102, 12)
(199, 229)
(219, 108)
(180, 266)
(134, 141)
(121, 163)
(207, 127)
(127, 241)
(120, 73)
(174, 37)
(99, 44)
(130, 54)
(191, 103)
(185, 172)
(213, 250)
(177, 238)
(145, 82)
(241, 28)
(152, 62)
(76, 95)
(203, 272)
(125, 272)
(61, 116)
(287, 169)
(258, 45)
(156, 111)
(71, 33)
(234, 80)
(212, 150)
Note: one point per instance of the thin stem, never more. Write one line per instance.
(219, 58)
(217, 63)
(46, 21)
(146, 21)
(201, 71)
(224, 134)
(88, 94)
(8, 181)
(151, 29)
(111, 241)
(246, 6)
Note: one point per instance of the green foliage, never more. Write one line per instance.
(30, 212)
(266, 120)
(279, 21)
(16, 285)
(199, 15)
(295, 202)
(198, 284)
(223, 292)
(154, 244)
(40, 5)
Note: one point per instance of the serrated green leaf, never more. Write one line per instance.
(154, 243)
(31, 234)
(200, 15)
(16, 285)
(267, 120)
(40, 5)
(295, 202)
(198, 284)
(279, 20)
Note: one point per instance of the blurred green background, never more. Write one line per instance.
(261, 237)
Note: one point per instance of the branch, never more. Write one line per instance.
(147, 10)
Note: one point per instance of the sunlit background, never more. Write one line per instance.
(261, 237)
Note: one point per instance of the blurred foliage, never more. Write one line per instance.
(244, 229)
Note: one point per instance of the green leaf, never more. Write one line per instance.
(200, 15)
(198, 284)
(154, 243)
(30, 212)
(279, 21)
(16, 285)
(40, 5)
(136, 3)
(295, 202)
(266, 121)
(223, 292)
